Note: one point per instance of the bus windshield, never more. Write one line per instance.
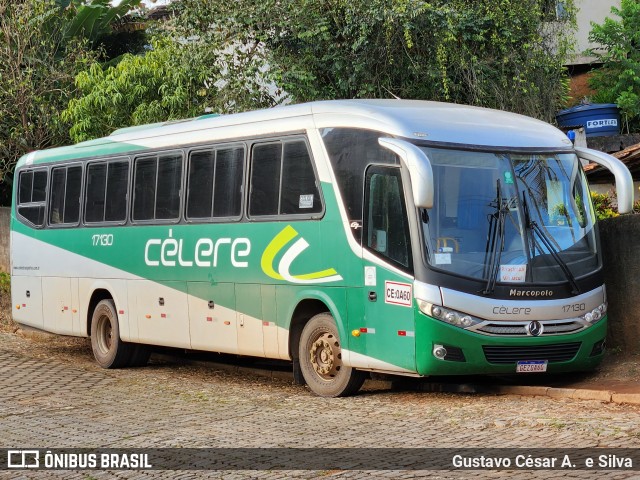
(510, 218)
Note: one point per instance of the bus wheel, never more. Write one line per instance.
(108, 349)
(321, 360)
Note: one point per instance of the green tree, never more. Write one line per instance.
(166, 83)
(44, 44)
(233, 56)
(37, 70)
(495, 53)
(618, 81)
(94, 21)
(180, 76)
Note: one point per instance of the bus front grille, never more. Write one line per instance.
(519, 329)
(558, 352)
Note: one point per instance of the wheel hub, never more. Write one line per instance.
(104, 334)
(325, 356)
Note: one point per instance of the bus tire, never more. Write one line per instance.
(108, 349)
(321, 359)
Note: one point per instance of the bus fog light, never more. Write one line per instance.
(451, 317)
(439, 352)
(437, 312)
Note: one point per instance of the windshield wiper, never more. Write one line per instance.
(535, 228)
(495, 242)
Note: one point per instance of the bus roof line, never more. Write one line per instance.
(413, 119)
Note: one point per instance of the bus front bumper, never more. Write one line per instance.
(472, 353)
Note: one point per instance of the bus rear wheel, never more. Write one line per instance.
(320, 357)
(108, 350)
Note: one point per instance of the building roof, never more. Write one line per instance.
(630, 156)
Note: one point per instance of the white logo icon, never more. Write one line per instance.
(23, 459)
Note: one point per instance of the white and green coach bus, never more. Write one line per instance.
(402, 237)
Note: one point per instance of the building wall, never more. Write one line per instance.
(611, 188)
(621, 258)
(589, 11)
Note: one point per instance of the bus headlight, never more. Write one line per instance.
(596, 314)
(447, 315)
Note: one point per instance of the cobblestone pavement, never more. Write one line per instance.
(64, 400)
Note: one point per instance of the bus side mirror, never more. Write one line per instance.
(419, 169)
(624, 181)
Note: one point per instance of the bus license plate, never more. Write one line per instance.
(531, 366)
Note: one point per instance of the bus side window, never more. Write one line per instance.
(266, 163)
(95, 192)
(32, 194)
(168, 186)
(116, 195)
(283, 181)
(144, 188)
(64, 206)
(157, 187)
(201, 169)
(299, 190)
(215, 183)
(106, 197)
(386, 225)
(227, 192)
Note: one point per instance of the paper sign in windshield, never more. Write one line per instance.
(305, 201)
(513, 273)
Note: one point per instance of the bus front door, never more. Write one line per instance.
(388, 333)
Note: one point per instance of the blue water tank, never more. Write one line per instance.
(598, 119)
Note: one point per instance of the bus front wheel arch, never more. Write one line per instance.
(108, 349)
(320, 357)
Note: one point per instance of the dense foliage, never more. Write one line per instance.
(44, 44)
(37, 69)
(618, 81)
(233, 56)
(91, 19)
(603, 205)
(139, 89)
(494, 53)
(176, 78)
